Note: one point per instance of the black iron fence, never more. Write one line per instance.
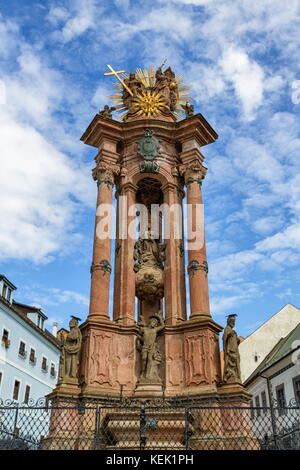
(66, 425)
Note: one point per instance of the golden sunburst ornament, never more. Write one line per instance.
(148, 92)
(148, 103)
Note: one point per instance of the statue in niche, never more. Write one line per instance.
(231, 341)
(148, 347)
(70, 352)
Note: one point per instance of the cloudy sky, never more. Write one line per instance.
(241, 59)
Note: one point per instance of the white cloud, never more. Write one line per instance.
(247, 78)
(83, 18)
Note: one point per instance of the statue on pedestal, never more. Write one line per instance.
(106, 112)
(231, 341)
(147, 345)
(70, 352)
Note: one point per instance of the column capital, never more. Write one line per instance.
(106, 173)
(193, 172)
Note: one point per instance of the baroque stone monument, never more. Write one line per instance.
(148, 344)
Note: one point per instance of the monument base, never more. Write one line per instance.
(146, 390)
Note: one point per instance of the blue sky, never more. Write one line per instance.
(241, 59)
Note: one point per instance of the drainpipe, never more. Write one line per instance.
(273, 419)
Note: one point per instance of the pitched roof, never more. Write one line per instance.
(280, 350)
(21, 310)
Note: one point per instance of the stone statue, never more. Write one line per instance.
(106, 112)
(149, 255)
(188, 109)
(166, 85)
(147, 345)
(134, 86)
(70, 351)
(231, 341)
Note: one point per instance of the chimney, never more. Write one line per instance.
(54, 329)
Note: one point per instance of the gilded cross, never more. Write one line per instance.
(115, 73)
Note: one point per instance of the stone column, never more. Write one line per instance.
(124, 288)
(197, 262)
(174, 295)
(101, 268)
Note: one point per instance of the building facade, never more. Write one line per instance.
(29, 354)
(257, 346)
(276, 384)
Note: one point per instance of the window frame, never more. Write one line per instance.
(35, 357)
(23, 356)
(19, 390)
(278, 389)
(296, 379)
(47, 365)
(26, 387)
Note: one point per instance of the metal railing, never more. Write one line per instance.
(132, 425)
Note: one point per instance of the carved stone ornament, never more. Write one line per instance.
(69, 358)
(149, 255)
(103, 265)
(194, 266)
(149, 167)
(148, 347)
(231, 341)
(149, 146)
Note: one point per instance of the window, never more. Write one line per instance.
(280, 395)
(44, 364)
(296, 383)
(9, 291)
(22, 351)
(4, 290)
(52, 370)
(16, 390)
(27, 394)
(5, 340)
(5, 335)
(264, 401)
(257, 405)
(32, 358)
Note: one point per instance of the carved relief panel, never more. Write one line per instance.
(174, 361)
(196, 345)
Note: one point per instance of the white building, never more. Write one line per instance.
(29, 354)
(256, 346)
(276, 383)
